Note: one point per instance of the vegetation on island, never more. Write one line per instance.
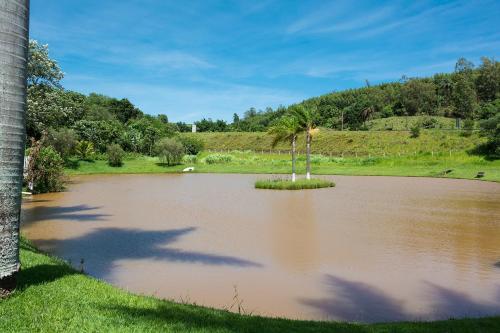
(287, 184)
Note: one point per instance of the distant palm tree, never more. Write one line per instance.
(286, 130)
(14, 17)
(306, 119)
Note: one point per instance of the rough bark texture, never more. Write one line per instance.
(294, 144)
(14, 17)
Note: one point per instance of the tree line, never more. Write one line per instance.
(469, 92)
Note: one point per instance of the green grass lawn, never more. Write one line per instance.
(53, 297)
(461, 165)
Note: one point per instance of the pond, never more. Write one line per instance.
(371, 249)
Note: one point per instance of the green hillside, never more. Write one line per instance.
(349, 143)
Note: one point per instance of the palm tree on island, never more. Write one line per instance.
(306, 120)
(287, 129)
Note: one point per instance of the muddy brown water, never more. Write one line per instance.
(372, 249)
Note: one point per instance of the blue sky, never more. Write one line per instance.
(194, 59)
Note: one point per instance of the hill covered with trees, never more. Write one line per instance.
(469, 92)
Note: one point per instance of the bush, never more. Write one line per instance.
(170, 151)
(218, 158)
(415, 131)
(429, 122)
(318, 159)
(85, 150)
(468, 127)
(45, 170)
(115, 155)
(490, 128)
(63, 141)
(190, 159)
(192, 145)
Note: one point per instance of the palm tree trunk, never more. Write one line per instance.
(294, 144)
(308, 154)
(14, 17)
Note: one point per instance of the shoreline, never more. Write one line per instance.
(83, 298)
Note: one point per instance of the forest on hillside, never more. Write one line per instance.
(468, 93)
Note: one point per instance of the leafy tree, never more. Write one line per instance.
(63, 141)
(52, 107)
(192, 145)
(490, 128)
(124, 110)
(100, 133)
(162, 118)
(286, 129)
(419, 97)
(183, 127)
(464, 96)
(45, 169)
(169, 150)
(488, 80)
(42, 70)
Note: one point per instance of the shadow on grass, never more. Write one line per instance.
(166, 165)
(484, 150)
(72, 164)
(190, 317)
(40, 274)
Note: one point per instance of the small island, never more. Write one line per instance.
(287, 184)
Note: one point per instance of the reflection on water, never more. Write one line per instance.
(371, 249)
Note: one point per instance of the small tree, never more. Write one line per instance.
(115, 155)
(192, 145)
(63, 141)
(85, 150)
(45, 169)
(170, 151)
(415, 131)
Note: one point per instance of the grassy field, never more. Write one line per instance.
(349, 143)
(405, 123)
(458, 165)
(286, 184)
(53, 297)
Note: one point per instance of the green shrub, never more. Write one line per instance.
(169, 150)
(429, 122)
(218, 158)
(415, 131)
(468, 127)
(85, 150)
(490, 128)
(45, 170)
(192, 145)
(318, 159)
(115, 155)
(63, 141)
(189, 159)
